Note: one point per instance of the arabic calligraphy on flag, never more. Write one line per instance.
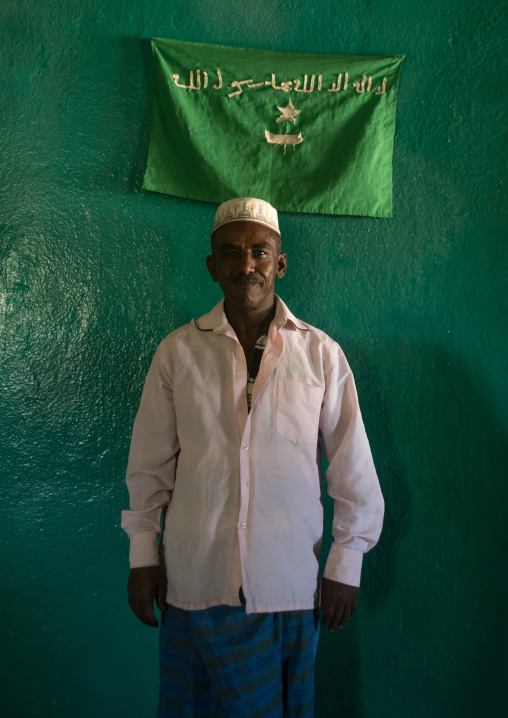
(307, 133)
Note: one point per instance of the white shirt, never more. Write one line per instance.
(243, 490)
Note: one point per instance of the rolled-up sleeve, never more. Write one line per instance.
(351, 476)
(151, 466)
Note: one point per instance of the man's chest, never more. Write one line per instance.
(215, 373)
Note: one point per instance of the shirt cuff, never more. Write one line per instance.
(344, 565)
(144, 549)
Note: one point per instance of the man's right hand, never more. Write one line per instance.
(146, 585)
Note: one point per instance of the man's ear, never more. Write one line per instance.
(282, 265)
(210, 263)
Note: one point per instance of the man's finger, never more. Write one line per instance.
(146, 585)
(327, 609)
(327, 617)
(147, 616)
(346, 615)
(161, 598)
(143, 610)
(337, 619)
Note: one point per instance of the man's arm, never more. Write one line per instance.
(150, 480)
(353, 484)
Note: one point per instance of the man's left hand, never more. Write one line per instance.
(338, 603)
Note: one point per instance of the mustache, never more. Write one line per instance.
(245, 280)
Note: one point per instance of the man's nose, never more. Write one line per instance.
(247, 263)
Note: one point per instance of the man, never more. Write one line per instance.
(227, 441)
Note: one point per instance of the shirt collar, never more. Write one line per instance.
(217, 322)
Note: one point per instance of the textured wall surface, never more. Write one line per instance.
(95, 272)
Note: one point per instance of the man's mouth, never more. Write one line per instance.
(246, 282)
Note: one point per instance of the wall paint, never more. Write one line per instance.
(95, 273)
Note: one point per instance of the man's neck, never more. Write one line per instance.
(249, 324)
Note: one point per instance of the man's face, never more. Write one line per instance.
(245, 260)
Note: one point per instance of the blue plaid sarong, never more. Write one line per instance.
(222, 663)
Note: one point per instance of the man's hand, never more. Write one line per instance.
(146, 585)
(338, 603)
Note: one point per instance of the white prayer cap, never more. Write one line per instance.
(246, 209)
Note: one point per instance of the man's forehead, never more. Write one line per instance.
(225, 246)
(238, 233)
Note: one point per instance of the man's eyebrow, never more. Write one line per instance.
(259, 245)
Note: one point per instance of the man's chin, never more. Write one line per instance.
(245, 301)
(246, 294)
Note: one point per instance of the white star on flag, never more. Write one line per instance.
(288, 113)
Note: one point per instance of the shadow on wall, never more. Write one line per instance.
(339, 685)
(133, 46)
(439, 450)
(129, 108)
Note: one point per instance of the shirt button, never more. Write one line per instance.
(243, 526)
(245, 446)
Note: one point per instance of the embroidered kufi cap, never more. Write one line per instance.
(246, 209)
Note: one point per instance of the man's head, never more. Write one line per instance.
(246, 254)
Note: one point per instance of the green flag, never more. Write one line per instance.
(307, 133)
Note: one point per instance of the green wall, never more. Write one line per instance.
(95, 272)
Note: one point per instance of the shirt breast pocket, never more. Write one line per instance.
(298, 410)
